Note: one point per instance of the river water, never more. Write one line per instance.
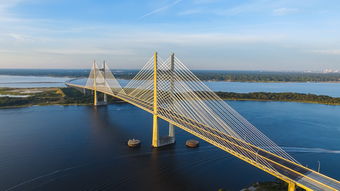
(31, 81)
(84, 148)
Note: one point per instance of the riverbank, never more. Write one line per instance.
(208, 75)
(23, 97)
(285, 97)
(277, 185)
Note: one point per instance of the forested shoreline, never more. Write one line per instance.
(287, 97)
(70, 96)
(232, 76)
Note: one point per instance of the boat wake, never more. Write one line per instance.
(309, 150)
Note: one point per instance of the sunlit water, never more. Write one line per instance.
(83, 148)
(330, 89)
(31, 81)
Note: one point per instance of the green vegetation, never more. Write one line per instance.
(70, 96)
(290, 97)
(268, 76)
(239, 76)
(36, 97)
(277, 185)
(46, 96)
(75, 97)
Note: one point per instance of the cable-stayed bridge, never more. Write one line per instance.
(170, 91)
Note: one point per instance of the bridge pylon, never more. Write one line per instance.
(95, 83)
(155, 133)
(158, 141)
(95, 100)
(172, 86)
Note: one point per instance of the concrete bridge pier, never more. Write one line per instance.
(160, 141)
(170, 139)
(96, 102)
(105, 98)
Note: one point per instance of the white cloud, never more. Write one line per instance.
(204, 38)
(190, 12)
(161, 9)
(204, 1)
(284, 11)
(85, 51)
(6, 4)
(327, 52)
(20, 37)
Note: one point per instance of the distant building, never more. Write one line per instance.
(330, 71)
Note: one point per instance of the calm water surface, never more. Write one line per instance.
(83, 148)
(330, 89)
(31, 81)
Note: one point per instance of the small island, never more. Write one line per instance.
(286, 97)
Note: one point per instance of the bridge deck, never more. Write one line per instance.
(280, 167)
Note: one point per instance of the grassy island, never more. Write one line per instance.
(21, 97)
(288, 97)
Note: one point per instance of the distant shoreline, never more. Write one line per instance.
(281, 97)
(209, 76)
(276, 81)
(77, 78)
(268, 100)
(69, 96)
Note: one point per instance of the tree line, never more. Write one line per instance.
(292, 97)
(240, 76)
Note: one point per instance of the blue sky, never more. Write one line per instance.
(204, 34)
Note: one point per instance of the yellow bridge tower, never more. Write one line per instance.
(158, 141)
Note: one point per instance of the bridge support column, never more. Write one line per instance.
(105, 99)
(95, 98)
(97, 102)
(172, 85)
(291, 186)
(104, 102)
(155, 133)
(171, 130)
